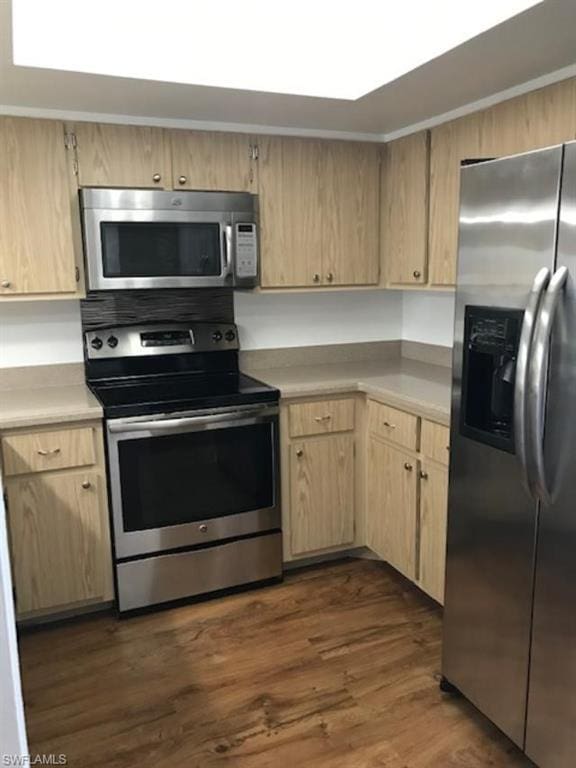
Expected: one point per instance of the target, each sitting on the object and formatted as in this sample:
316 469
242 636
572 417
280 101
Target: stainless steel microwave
135 239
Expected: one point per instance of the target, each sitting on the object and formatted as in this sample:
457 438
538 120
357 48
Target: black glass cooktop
165 394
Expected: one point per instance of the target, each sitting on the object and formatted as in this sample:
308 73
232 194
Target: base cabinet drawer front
321 493
41 451
321 417
59 543
435 441
391 523
398 426
433 526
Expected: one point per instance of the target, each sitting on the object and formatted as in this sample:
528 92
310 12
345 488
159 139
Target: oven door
157 249
179 481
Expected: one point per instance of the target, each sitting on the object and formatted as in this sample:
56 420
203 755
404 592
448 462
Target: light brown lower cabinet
433 525
392 499
57 537
321 493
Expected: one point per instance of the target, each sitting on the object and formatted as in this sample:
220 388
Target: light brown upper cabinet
122 156
450 143
350 202
290 211
39 219
404 210
207 160
318 212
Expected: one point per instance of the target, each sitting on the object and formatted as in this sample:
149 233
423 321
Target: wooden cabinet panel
350 199
321 493
321 417
36 209
391 522
433 526
121 156
60 550
41 451
435 441
449 145
404 210
398 426
207 160
290 212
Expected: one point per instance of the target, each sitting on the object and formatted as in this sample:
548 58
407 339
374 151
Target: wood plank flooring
335 668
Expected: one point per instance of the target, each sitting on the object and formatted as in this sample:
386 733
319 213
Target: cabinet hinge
254 151
77 272
70 140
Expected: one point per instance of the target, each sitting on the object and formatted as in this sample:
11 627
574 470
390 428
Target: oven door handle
190 423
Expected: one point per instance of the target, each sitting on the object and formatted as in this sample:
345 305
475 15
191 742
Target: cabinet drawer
42 451
394 425
435 441
321 417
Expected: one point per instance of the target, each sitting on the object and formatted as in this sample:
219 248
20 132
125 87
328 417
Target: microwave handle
227 250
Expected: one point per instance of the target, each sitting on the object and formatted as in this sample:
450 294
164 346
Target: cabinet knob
408 467
203 528
5 283
181 179
417 273
156 178
424 475
86 484
316 278
330 277
299 453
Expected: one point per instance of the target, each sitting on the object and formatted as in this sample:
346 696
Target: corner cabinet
40 241
59 535
319 204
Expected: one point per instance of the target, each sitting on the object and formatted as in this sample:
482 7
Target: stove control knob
112 341
217 336
230 335
96 343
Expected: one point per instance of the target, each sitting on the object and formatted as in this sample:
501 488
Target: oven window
143 249
183 478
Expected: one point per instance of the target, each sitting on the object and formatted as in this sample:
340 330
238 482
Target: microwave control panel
246 251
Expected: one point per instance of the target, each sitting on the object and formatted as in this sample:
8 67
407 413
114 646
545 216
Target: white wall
428 317
12 728
309 319
40 333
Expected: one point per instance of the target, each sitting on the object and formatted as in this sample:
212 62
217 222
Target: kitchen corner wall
41 333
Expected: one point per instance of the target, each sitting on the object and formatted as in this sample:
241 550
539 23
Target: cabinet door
391 506
404 210
350 201
449 145
36 208
206 160
60 552
433 522
321 493
290 212
121 156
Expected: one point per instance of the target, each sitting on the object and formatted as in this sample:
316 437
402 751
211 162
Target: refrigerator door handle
522 365
537 380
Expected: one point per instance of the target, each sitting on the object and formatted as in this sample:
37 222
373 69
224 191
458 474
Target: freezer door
551 727
508 218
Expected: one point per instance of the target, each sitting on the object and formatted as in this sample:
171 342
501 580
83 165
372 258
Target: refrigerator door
551 726
508 217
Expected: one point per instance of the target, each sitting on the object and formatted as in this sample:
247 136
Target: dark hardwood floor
335 668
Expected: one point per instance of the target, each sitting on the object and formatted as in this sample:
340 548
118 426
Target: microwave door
157 249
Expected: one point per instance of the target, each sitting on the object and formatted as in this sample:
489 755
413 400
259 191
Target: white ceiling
536 43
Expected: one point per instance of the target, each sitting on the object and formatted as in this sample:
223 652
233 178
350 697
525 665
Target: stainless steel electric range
192 450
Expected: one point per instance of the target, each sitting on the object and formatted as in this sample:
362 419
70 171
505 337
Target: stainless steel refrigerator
510 606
